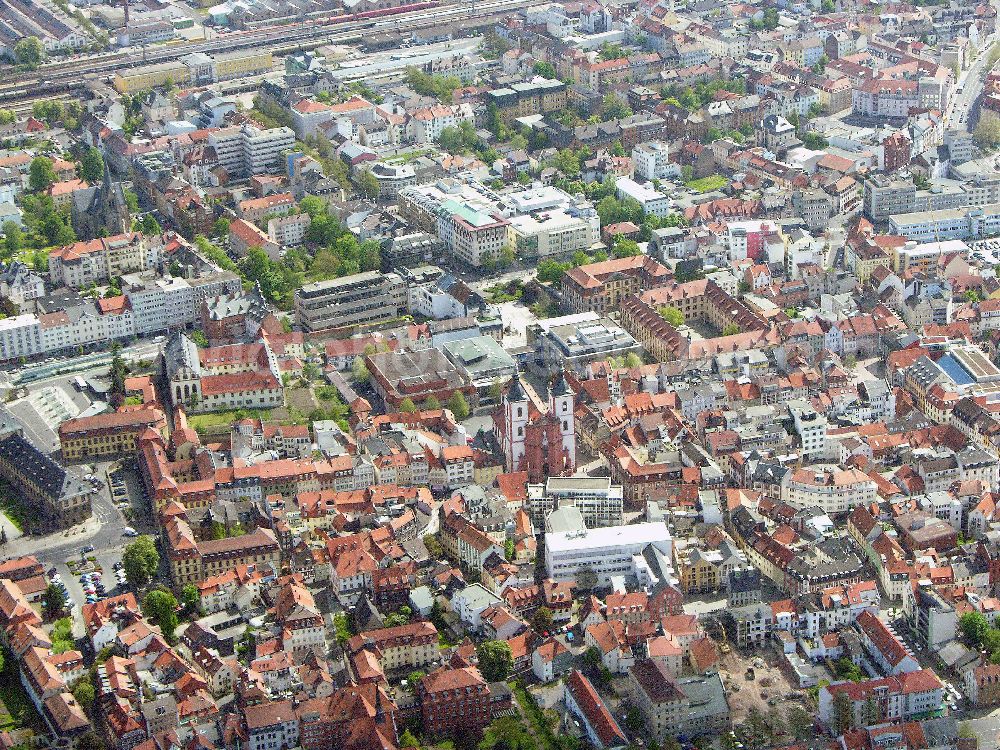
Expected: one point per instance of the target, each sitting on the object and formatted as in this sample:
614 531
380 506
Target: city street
986 728
961 110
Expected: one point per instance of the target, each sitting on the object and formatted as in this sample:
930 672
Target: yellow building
522 99
146 77
403 647
196 69
242 63
107 435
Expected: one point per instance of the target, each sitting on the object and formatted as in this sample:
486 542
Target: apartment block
357 300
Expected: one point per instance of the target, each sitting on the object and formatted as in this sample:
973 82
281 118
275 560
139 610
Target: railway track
62 78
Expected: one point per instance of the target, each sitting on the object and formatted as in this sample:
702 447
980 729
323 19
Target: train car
381 12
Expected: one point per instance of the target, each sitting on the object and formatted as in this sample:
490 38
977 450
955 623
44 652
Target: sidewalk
31 545
9 528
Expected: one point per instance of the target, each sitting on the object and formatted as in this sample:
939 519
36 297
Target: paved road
103 530
987 729
961 112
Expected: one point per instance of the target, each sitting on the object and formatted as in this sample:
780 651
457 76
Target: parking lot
85 579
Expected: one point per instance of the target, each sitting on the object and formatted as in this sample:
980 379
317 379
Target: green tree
509 549
731 329
495 390
541 621
160 607
41 173
800 723
62 636
368 184
190 598
199 338
406 406
441 87
567 161
53 602
614 108
432 404
360 370
586 578
814 141
148 225
29 52
140 561
551 271
214 254
544 69
633 719
672 315
13 239
434 549
450 139
221 226
843 713
625 248
633 360
848 670
90 741
84 692
341 628
496 661
974 627
458 405
92 166
507 733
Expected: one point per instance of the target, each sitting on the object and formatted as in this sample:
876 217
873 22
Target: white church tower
561 407
515 406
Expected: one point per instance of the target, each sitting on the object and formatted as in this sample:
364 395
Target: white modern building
425 124
811 427
608 551
248 149
651 162
652 200
20 336
159 303
470 603
599 502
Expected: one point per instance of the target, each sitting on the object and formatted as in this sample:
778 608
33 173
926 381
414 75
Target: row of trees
331 252
53 113
980 635
457 404
440 87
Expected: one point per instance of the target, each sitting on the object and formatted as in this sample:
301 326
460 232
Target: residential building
670 706
600 287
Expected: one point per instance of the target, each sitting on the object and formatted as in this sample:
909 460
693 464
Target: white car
129 531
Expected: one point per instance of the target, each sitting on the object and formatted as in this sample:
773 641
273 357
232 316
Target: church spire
516 391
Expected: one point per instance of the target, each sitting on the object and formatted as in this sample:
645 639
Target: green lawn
708 184
216 419
10 506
